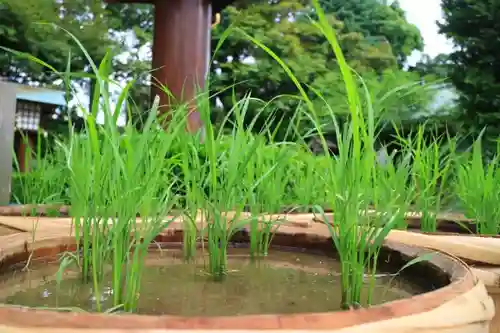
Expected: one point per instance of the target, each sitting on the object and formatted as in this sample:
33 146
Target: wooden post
25 151
181 50
7 123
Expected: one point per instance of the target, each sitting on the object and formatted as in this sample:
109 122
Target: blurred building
24 113
35 109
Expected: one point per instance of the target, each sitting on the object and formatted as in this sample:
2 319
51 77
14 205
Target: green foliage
375 37
34 27
372 46
46 182
379 23
478 191
438 67
117 174
473 27
22 29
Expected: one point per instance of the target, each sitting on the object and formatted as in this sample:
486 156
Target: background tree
22 29
285 27
377 21
438 66
35 27
473 27
376 39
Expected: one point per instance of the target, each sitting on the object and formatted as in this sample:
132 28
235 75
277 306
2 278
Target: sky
424 14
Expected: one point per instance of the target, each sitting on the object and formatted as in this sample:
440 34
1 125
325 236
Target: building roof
40 95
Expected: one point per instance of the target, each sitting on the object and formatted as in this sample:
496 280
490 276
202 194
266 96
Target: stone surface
7 116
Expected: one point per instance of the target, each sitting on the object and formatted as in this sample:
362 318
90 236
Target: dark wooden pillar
25 151
181 51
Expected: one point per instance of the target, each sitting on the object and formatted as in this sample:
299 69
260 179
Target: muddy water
286 282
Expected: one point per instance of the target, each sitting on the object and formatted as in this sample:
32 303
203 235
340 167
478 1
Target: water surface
285 282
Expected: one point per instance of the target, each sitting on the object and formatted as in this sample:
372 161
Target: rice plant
193 180
267 196
45 179
227 190
116 174
349 177
431 167
115 177
307 185
478 191
393 190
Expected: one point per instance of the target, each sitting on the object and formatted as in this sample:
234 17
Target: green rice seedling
114 175
392 193
452 158
431 167
356 239
346 205
228 161
267 196
349 176
478 191
306 184
224 177
43 182
262 235
129 176
277 157
350 183
218 237
194 176
392 190
189 234
357 236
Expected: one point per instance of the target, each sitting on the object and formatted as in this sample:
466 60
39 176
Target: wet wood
446 222
6 230
36 210
35 224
